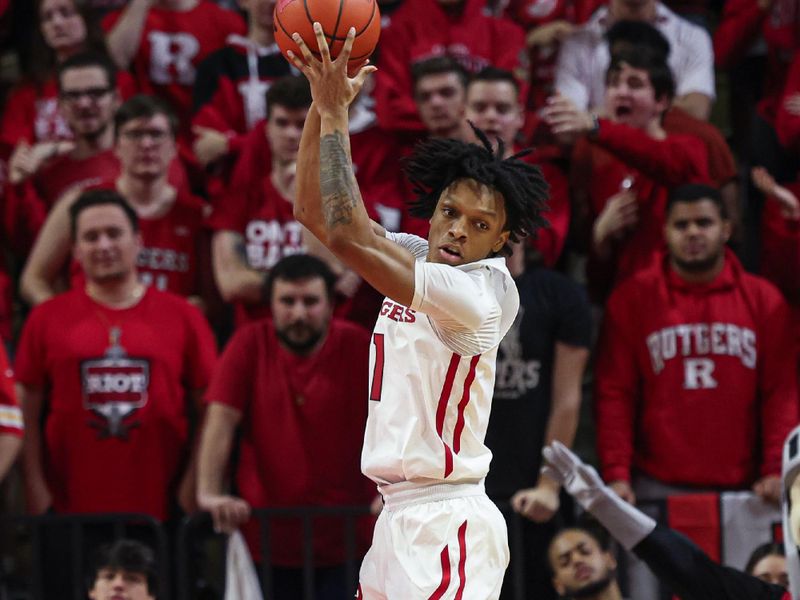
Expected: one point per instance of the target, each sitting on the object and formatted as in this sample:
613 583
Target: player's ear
500 242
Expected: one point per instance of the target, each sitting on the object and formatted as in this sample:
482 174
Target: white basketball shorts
440 542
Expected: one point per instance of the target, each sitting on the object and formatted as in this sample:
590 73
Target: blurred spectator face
120 585
301 312
88 101
284 128
146 146
62 25
696 235
772 569
440 101
106 246
631 99
580 567
259 11
493 107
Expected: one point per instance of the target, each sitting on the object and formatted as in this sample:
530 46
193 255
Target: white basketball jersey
432 371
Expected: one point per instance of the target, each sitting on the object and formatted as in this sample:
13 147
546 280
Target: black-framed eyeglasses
94 94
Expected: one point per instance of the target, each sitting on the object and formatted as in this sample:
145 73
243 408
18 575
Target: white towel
241 580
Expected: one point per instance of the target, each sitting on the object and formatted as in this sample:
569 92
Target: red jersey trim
442 410
462 546
462 405
445 582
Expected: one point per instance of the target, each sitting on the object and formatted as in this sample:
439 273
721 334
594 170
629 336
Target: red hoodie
654 166
420 29
696 384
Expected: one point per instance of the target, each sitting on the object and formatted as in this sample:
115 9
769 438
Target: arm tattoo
339 194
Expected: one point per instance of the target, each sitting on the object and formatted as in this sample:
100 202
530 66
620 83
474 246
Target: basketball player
449 302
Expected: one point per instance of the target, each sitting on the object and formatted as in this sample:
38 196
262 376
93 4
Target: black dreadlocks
438 163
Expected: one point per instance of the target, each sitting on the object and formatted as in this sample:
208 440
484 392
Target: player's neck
117 293
86 147
150 198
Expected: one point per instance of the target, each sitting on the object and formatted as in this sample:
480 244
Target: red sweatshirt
654 166
420 29
695 384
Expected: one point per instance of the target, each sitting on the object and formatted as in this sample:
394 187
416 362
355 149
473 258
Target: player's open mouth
449 254
622 111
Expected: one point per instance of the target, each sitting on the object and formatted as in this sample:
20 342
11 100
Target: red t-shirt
695 384
304 420
264 217
10 414
116 430
421 29
172 45
231 86
172 256
41 191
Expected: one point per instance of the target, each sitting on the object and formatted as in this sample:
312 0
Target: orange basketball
336 18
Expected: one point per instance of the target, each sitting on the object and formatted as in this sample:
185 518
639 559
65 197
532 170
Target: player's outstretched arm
308 202
345 227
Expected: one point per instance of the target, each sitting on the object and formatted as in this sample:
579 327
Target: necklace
115 350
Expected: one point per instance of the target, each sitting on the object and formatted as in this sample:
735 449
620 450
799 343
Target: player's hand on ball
227 512
539 504
331 85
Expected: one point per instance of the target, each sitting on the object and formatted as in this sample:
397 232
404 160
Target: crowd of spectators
148 151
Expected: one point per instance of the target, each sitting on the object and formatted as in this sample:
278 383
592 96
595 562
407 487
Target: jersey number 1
377 372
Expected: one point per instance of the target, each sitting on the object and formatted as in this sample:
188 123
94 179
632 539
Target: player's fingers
304 51
347 48
362 75
297 62
322 44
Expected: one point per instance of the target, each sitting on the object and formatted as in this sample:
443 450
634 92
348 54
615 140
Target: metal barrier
200 524
38 532
193 533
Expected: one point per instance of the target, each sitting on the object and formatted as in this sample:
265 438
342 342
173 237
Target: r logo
697 374
171 57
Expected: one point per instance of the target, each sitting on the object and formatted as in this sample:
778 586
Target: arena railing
196 553
37 545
